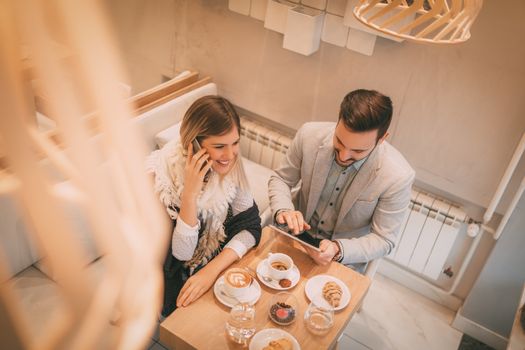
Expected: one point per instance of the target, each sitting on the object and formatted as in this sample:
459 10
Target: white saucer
262 270
254 293
263 337
314 290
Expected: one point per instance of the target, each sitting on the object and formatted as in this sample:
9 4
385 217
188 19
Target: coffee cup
279 266
237 282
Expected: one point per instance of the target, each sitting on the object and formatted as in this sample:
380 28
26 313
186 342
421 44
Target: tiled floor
393 317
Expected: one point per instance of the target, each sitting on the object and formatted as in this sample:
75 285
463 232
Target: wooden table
201 325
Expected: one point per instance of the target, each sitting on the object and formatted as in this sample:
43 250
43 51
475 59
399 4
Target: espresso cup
279 266
237 282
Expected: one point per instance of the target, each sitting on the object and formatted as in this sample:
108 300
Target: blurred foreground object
432 21
111 299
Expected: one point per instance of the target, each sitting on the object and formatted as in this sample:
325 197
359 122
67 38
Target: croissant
332 293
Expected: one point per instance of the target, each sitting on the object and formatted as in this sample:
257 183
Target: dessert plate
314 290
263 337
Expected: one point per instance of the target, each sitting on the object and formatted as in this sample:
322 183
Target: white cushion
258 177
169 113
166 135
77 220
41 299
16 229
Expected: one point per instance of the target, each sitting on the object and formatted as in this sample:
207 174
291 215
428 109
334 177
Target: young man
354 186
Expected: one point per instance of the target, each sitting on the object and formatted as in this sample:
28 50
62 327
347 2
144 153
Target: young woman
205 191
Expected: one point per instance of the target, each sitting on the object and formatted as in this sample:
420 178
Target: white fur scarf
168 166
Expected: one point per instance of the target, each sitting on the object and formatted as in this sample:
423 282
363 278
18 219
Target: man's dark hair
366 110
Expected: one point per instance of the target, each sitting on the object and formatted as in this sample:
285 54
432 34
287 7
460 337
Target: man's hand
294 219
328 250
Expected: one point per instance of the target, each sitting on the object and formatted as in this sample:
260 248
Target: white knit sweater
167 164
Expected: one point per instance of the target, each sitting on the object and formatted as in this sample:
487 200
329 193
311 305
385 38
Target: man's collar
357 164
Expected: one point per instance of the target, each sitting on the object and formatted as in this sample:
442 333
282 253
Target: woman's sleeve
241 243
243 240
184 240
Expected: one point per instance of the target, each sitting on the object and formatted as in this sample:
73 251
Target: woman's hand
196 286
199 283
197 165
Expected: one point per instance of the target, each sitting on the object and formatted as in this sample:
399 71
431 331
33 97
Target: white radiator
428 234
262 144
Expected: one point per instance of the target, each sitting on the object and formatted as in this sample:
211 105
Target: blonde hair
213 116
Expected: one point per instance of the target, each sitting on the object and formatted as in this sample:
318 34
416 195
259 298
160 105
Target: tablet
295 238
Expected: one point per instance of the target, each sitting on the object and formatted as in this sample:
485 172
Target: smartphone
196 148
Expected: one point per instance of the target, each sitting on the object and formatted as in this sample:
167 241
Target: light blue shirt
337 182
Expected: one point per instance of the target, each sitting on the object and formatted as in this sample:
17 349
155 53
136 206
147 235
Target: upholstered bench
28 272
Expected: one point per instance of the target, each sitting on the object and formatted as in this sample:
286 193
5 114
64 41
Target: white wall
146 32
459 110
494 298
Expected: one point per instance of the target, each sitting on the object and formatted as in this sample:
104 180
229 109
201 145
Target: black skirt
176 274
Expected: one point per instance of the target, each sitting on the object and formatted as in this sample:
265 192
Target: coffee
238 278
278 265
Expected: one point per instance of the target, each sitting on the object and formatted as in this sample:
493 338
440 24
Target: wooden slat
137 101
162 97
173 95
142 102
149 96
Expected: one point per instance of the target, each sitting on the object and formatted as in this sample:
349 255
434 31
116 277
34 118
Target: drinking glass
240 325
319 319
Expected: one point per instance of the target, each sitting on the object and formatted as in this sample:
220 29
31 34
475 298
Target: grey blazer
373 207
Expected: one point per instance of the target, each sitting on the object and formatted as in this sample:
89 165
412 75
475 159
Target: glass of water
240 325
319 319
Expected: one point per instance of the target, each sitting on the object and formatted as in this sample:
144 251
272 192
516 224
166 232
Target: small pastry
285 283
279 344
282 313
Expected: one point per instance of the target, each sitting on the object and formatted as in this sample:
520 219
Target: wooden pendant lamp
433 21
